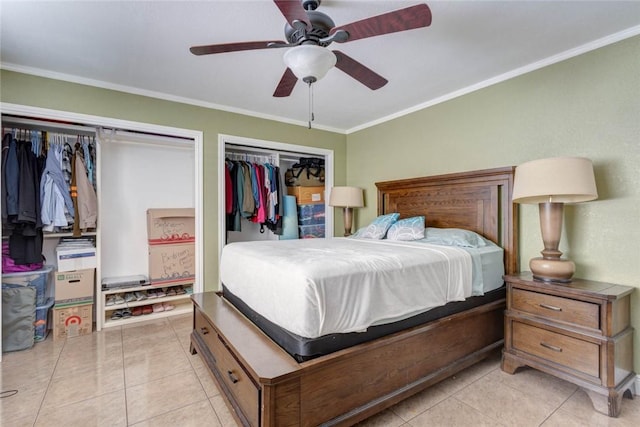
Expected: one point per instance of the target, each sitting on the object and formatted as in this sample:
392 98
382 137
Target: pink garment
8 266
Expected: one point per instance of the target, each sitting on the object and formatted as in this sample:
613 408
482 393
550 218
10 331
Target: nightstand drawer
570 352
567 310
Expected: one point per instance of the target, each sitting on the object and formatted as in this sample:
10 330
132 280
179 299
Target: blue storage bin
311 214
41 325
311 231
38 279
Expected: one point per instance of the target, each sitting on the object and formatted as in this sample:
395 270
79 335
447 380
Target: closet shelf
148 301
66 234
140 288
180 309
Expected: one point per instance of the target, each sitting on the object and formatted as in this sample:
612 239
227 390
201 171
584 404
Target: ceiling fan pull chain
311 117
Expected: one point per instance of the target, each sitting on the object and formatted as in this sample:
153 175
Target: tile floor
143 375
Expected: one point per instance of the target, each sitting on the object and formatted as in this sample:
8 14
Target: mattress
320 287
303 349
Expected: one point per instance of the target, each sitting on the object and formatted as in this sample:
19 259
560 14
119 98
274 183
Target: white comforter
315 287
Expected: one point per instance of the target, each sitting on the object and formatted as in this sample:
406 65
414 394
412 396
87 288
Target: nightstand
579 332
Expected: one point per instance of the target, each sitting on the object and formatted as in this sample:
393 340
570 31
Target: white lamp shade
309 61
559 179
346 197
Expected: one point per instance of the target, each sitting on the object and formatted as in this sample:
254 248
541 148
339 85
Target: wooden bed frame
265 386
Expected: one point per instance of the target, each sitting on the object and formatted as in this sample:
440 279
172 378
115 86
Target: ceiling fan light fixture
309 62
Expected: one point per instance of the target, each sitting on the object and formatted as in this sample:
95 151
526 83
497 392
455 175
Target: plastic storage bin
311 231
41 325
38 279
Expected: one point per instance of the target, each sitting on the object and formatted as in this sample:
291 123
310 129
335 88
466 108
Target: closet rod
34 124
119 135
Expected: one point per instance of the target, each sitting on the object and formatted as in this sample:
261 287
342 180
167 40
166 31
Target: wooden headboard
478 200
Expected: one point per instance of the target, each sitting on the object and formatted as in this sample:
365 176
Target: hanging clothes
253 192
23 225
56 198
87 201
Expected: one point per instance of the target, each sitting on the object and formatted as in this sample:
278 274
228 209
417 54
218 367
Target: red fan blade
392 22
359 72
231 47
293 11
287 82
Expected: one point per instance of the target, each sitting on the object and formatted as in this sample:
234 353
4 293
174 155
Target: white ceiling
143 47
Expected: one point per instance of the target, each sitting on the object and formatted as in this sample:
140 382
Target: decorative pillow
407 229
378 228
454 237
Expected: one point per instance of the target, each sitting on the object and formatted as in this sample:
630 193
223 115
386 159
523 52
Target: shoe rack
180 302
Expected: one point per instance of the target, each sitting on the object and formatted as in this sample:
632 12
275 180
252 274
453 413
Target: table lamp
551 183
347 198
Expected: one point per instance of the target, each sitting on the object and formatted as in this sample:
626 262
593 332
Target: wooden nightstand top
577 287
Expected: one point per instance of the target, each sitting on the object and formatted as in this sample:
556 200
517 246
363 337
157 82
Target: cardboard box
307 195
76 258
72 321
74 287
172 264
176 225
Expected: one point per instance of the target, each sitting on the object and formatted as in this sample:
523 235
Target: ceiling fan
309 32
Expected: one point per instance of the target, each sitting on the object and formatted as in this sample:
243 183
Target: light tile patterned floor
143 375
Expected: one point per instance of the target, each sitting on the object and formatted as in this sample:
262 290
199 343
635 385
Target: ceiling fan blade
231 47
287 82
359 72
400 20
293 11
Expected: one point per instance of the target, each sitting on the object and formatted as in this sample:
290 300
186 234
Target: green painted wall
586 106
34 91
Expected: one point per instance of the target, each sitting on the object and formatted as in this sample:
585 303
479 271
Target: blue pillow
378 228
407 229
454 237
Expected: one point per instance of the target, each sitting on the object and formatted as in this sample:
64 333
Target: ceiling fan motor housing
321 25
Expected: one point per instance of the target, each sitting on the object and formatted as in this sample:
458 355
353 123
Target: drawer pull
204 330
551 347
232 377
550 307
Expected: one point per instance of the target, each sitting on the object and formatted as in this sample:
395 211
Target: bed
264 383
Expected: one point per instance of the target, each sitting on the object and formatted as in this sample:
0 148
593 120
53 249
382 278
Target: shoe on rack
111 300
126 313
167 306
119 299
116 315
129 296
180 290
157 308
160 293
151 293
171 292
140 295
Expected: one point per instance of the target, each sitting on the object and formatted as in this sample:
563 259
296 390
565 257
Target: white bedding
315 287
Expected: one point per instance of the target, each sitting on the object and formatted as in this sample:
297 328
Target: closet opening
138 166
